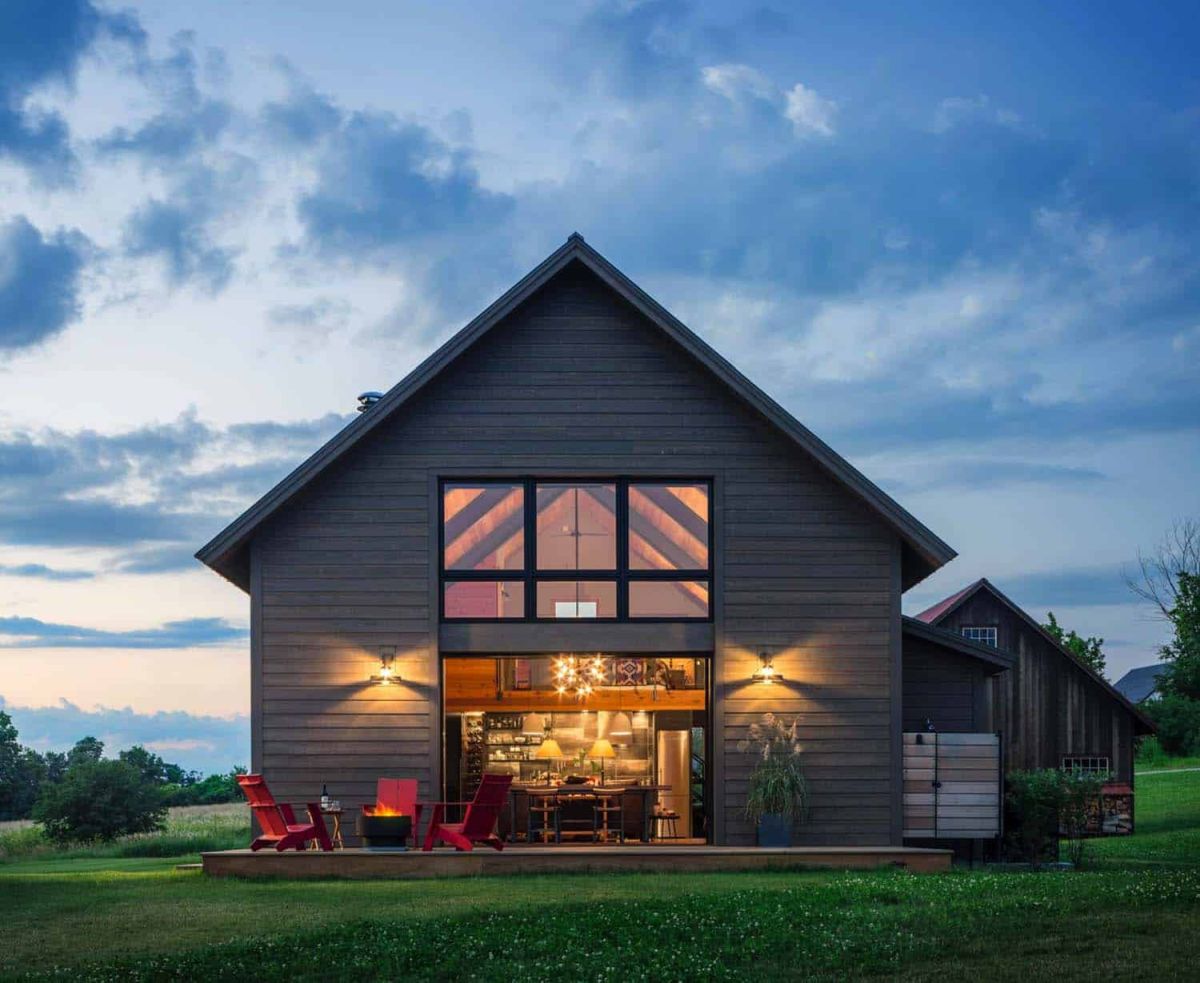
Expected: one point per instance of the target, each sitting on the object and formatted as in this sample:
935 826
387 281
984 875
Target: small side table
335 834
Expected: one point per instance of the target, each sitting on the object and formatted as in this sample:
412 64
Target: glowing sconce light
386 674
766 673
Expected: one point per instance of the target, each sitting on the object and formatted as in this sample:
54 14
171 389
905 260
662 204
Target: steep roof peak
923 551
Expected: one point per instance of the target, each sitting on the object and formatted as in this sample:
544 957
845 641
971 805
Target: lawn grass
1167 820
1132 915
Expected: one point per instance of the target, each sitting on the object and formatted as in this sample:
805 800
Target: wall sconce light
386 674
766 673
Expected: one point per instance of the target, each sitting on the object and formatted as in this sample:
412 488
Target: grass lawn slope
1132 915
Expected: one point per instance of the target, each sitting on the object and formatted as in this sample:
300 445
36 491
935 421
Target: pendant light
621 727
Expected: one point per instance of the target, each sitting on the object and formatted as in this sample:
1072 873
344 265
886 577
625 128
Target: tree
99 800
85 749
10 754
1087 650
56 765
22 773
1177 720
1182 653
152 767
1156 578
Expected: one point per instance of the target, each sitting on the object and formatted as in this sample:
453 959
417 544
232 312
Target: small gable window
987 635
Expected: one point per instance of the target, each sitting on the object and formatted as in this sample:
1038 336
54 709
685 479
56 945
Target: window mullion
530 549
622 550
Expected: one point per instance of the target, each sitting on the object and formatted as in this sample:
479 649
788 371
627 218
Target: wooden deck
364 864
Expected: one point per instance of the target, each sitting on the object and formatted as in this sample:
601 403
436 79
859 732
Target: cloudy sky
960 242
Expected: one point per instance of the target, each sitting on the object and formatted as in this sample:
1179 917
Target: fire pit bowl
385 832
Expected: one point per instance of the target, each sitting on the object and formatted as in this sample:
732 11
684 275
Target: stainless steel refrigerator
673 766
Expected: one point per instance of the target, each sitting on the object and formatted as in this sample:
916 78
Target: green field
1132 914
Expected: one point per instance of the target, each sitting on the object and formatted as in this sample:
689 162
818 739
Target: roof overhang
923 552
993 660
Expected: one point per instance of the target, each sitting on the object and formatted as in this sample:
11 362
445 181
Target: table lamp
548 750
601 751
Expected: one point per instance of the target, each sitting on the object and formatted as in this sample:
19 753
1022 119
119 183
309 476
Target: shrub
1150 753
22 842
1045 805
1031 816
777 784
98 801
1178 721
1078 805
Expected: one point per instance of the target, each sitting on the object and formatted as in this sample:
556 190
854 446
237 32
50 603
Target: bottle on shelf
324 796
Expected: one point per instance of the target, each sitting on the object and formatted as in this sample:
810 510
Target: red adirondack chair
278 822
397 797
479 823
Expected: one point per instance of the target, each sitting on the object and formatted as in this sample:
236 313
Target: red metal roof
931 615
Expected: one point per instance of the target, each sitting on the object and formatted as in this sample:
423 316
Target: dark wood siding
948 689
576 382
1046 706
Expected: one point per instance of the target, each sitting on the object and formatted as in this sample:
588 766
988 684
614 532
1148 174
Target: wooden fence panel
952 786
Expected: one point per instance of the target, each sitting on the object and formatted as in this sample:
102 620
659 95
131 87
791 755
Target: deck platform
482 862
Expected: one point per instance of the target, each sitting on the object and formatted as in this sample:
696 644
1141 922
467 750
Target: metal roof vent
367 400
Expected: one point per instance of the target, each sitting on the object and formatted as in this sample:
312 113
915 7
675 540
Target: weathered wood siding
1046 706
575 382
951 691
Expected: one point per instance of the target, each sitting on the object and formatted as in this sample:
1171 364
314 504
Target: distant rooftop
1139 684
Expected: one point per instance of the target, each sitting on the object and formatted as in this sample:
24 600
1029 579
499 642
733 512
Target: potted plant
777 797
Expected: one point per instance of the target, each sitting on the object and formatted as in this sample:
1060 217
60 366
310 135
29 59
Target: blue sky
960 242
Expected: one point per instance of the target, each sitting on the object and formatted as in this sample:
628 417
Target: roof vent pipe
367 400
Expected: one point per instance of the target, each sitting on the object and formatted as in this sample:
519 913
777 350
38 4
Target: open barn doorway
601 748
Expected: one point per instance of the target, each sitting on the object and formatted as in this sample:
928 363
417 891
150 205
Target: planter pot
385 832
774 830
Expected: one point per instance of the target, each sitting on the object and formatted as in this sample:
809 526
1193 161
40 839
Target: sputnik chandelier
578 676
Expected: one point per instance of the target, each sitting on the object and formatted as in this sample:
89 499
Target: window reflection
576 599
485 599
668 526
576 527
484 527
668 599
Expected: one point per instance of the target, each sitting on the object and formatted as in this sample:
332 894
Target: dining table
582 792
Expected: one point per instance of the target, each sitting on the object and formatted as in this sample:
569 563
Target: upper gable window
987 635
668 526
603 549
483 526
576 526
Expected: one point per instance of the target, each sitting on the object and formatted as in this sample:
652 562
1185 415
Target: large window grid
511 568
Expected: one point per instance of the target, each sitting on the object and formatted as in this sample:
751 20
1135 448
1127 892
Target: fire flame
382 810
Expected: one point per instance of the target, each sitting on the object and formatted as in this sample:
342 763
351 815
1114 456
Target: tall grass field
189 829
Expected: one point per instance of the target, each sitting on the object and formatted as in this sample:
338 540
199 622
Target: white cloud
735 82
809 112
956 109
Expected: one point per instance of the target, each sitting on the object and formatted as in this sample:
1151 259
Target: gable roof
1139 684
995 660
923 552
942 609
